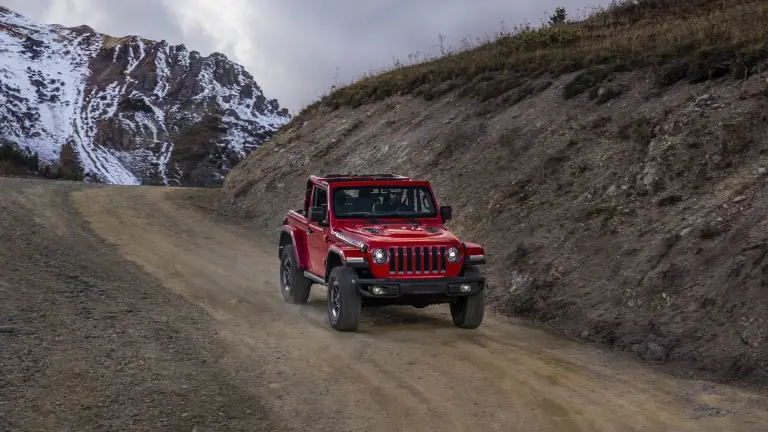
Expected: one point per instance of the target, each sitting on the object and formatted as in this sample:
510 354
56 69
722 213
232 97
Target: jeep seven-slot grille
417 260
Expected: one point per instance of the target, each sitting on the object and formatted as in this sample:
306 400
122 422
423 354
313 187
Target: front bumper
395 288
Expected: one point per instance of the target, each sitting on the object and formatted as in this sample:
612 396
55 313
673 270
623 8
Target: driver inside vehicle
393 203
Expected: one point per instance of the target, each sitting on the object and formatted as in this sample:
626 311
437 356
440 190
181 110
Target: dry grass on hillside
682 40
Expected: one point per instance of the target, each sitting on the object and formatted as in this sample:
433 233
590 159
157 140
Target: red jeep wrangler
378 240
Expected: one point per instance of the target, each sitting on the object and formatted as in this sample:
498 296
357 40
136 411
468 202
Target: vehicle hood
396 232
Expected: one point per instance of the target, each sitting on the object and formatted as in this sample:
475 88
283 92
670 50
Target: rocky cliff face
130 110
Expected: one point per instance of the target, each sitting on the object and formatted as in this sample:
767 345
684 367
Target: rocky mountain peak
134 111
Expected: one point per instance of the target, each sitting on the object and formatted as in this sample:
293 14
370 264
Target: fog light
377 290
465 288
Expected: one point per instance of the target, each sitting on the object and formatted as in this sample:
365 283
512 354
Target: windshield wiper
411 218
365 215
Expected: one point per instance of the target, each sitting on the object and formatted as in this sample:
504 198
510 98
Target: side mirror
317 214
446 212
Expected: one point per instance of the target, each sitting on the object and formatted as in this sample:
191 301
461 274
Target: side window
320 198
424 203
308 196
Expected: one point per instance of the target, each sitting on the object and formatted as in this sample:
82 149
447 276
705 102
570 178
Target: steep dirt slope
634 219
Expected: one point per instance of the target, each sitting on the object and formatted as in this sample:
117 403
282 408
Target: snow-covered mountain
127 110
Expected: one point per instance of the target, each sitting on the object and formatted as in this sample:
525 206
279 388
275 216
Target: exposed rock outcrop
134 111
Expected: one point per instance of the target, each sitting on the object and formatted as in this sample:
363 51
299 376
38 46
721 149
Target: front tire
468 312
344 303
293 284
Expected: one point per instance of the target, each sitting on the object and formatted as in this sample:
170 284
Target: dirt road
133 309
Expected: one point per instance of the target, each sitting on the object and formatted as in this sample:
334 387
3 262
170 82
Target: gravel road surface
132 308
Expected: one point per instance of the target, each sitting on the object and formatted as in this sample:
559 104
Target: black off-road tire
468 312
344 303
296 288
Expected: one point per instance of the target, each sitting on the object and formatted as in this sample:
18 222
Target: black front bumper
395 288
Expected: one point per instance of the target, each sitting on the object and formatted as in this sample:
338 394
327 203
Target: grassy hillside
620 191
691 41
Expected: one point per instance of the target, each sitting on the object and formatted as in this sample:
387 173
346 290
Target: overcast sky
294 47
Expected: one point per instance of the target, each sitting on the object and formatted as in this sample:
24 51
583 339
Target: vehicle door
316 232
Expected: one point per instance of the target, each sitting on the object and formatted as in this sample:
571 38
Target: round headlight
379 256
452 254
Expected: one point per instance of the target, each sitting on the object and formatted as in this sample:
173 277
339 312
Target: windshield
383 202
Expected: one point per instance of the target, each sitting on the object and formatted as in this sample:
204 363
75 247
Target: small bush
13 156
15 161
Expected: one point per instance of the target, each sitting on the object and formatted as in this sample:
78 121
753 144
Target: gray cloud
294 47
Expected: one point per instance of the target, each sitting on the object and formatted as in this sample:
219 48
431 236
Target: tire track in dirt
96 343
406 369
